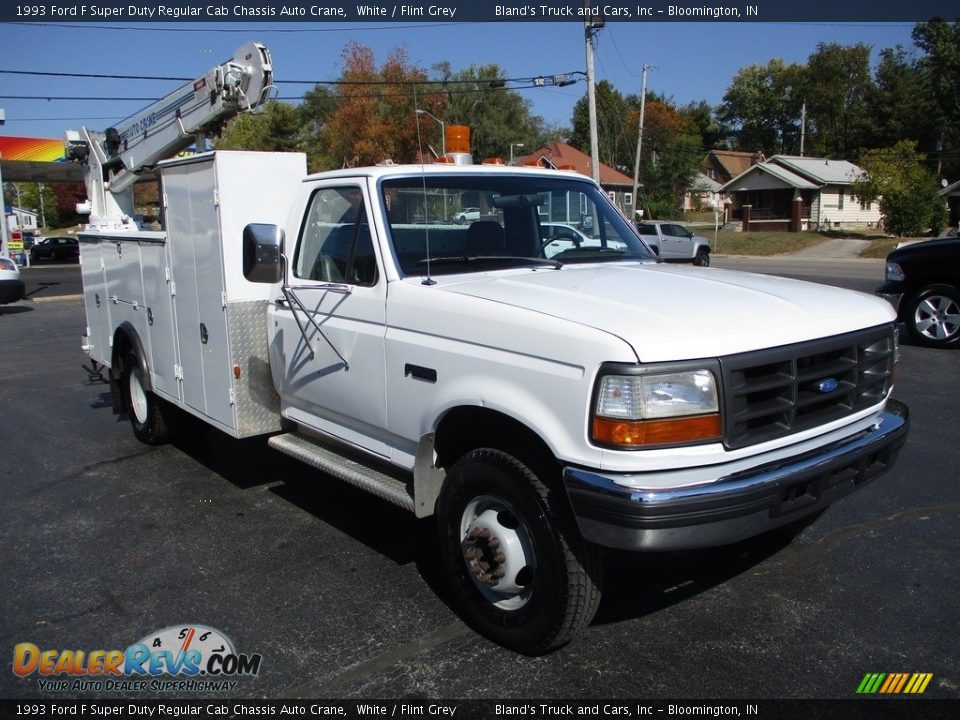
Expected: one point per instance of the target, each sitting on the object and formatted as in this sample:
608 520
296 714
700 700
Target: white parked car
11 286
563 238
470 213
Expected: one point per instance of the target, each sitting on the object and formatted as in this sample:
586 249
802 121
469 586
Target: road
104 541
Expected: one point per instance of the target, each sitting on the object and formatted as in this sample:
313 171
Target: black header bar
257 11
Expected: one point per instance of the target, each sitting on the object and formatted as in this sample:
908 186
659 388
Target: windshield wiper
505 260
593 253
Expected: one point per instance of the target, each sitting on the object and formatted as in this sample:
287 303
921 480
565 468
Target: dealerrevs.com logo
185 657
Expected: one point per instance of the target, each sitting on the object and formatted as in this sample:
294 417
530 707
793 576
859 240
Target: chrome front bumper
735 506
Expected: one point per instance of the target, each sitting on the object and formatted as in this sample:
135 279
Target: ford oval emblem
828 385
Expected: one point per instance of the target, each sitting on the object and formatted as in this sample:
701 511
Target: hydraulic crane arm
114 158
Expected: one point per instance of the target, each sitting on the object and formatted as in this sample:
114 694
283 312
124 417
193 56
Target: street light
443 129
512 146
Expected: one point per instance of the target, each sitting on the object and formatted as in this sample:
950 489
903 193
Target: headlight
656 409
895 272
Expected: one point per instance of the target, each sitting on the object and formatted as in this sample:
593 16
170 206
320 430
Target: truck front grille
772 393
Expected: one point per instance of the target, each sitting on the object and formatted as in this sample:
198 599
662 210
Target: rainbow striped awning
32 149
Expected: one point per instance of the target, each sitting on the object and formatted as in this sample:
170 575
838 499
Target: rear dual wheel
149 415
522 574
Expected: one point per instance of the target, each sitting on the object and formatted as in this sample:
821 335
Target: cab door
677 242
328 330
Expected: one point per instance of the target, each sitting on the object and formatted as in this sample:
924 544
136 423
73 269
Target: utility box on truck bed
182 293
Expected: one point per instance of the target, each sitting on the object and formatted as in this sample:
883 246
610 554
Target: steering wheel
562 235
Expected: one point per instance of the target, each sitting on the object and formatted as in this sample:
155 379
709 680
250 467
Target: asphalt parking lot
104 541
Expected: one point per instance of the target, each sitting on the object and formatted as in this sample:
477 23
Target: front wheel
148 413
702 258
933 316
522 574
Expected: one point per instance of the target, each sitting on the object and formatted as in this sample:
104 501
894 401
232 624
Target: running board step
324 458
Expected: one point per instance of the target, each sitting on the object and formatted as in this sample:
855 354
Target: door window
336 245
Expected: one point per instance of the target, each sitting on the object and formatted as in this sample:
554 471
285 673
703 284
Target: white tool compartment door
193 236
95 300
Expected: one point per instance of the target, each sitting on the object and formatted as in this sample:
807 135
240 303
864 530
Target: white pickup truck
541 408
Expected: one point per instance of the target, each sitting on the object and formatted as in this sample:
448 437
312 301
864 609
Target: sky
690 61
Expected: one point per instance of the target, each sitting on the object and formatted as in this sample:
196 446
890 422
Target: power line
75 98
556 79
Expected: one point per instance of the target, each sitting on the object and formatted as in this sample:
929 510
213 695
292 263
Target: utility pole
803 126
636 162
4 249
590 28
43 212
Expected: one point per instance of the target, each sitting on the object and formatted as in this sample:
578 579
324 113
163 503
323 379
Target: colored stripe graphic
35 149
894 683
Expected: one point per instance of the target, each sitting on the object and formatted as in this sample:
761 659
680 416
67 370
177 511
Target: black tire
549 587
702 258
149 415
932 316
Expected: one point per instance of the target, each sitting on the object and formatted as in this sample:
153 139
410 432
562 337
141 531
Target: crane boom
117 156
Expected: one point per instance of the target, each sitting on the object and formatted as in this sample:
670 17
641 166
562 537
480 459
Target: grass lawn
764 244
880 248
761 243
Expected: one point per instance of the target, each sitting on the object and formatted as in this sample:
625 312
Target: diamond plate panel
257 405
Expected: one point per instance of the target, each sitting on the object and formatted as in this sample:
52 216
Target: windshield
474 223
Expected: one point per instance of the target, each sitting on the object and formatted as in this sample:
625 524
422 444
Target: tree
40 198
616 132
497 117
275 128
705 122
672 145
763 105
906 191
940 42
672 153
900 105
66 198
837 87
374 118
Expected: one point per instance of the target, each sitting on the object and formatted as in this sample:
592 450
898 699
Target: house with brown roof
718 167
724 165
789 192
559 155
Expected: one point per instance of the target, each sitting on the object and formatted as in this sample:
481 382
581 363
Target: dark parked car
62 249
923 284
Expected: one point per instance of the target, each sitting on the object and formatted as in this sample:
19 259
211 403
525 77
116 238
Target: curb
55 298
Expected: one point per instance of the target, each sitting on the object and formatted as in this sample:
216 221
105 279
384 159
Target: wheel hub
938 318
498 554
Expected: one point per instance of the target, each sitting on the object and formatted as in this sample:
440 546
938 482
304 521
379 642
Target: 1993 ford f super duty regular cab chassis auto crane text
542 405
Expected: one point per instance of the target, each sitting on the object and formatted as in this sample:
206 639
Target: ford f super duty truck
542 396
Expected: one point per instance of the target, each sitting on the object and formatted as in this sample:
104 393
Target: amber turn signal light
640 433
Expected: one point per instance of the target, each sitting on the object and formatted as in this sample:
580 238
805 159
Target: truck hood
669 312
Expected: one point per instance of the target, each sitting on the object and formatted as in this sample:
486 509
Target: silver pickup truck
674 243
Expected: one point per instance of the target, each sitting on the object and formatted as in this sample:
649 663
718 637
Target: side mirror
262 251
